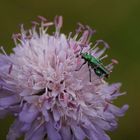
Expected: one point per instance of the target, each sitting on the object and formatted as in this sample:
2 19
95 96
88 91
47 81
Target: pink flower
45 84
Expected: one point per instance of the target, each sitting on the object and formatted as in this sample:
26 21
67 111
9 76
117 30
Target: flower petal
28 113
78 132
52 133
66 133
9 100
14 131
45 114
37 132
118 111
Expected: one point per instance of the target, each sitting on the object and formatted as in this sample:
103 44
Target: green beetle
95 64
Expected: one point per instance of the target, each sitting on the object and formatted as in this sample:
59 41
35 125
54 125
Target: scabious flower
45 85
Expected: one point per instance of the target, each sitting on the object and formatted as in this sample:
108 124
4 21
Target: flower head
52 91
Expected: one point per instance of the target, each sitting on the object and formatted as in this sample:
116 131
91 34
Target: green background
116 21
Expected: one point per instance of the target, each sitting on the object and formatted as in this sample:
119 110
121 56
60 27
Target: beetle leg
89 73
81 66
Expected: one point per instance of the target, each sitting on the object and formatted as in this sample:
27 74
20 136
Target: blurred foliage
116 21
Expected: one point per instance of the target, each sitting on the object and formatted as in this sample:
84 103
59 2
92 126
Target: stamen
91 32
84 37
41 29
43 19
34 23
87 34
28 37
110 66
80 28
16 36
101 42
22 29
114 61
105 56
58 21
4 52
69 36
48 24
2 49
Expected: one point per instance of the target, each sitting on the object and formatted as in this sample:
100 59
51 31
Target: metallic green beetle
95 64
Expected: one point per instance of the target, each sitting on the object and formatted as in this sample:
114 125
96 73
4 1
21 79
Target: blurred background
116 21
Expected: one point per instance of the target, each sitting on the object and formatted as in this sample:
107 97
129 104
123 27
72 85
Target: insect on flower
93 63
45 85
